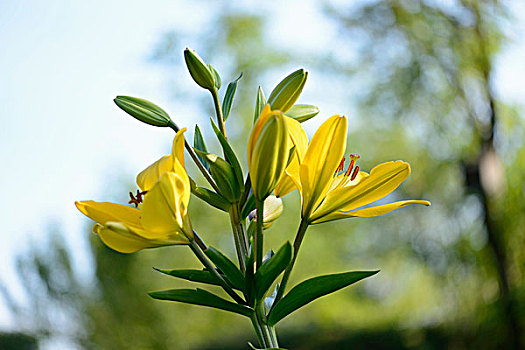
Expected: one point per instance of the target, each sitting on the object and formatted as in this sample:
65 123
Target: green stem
218 111
259 234
258 330
301 231
199 241
240 226
204 260
196 159
237 239
267 331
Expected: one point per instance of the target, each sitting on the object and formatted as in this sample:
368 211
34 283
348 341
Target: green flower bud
200 71
302 113
267 152
143 110
287 91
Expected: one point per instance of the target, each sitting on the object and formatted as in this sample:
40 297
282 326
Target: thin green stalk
204 260
301 231
259 234
218 111
258 331
196 160
266 330
240 226
237 239
199 241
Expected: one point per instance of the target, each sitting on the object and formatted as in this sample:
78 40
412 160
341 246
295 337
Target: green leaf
201 297
198 143
228 97
260 101
309 290
271 269
231 272
145 111
224 176
302 113
230 154
288 91
201 276
216 77
248 206
210 197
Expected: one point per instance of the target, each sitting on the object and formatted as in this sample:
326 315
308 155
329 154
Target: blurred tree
429 67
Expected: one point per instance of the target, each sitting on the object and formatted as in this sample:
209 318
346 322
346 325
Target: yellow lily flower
296 138
328 196
267 152
161 220
149 176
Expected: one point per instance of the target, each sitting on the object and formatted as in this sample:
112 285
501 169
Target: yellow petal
289 179
119 238
383 179
103 212
165 206
297 137
149 176
322 157
369 212
178 146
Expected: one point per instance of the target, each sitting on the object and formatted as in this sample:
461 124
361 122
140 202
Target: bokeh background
436 83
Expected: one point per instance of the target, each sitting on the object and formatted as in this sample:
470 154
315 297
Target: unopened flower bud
267 152
143 110
200 71
287 91
273 208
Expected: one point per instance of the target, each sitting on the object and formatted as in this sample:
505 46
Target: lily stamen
354 174
341 166
136 200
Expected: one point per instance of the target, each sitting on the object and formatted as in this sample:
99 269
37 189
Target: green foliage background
420 87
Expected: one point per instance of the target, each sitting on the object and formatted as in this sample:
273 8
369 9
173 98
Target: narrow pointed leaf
311 289
248 206
260 101
271 269
231 272
302 113
212 198
201 297
228 97
230 154
201 276
223 174
198 143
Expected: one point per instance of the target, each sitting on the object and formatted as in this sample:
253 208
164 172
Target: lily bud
273 208
285 94
200 71
267 152
143 110
302 113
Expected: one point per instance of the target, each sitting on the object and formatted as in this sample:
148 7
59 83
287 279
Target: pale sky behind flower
61 136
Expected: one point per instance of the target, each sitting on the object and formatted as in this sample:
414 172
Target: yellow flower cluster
280 159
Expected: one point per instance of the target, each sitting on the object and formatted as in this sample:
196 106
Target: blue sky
61 137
